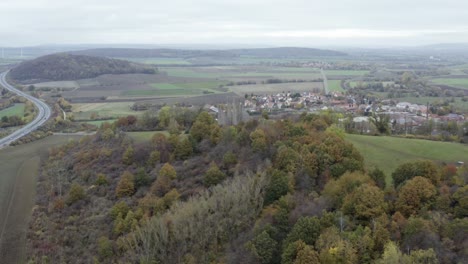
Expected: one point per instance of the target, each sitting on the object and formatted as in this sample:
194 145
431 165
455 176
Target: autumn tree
75 194
416 194
154 158
202 126
299 252
164 180
366 202
259 140
126 185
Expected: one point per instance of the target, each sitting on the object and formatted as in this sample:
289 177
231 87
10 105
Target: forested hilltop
264 191
64 66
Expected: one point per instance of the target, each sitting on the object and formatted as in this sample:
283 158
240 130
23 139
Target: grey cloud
277 22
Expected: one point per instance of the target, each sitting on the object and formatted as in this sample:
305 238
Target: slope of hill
285 52
63 66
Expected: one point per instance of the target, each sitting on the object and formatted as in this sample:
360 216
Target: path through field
18 171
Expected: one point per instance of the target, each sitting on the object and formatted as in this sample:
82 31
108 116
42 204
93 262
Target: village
404 117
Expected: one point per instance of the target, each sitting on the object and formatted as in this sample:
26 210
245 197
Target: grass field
178 89
15 110
387 153
19 166
84 111
456 82
335 86
276 88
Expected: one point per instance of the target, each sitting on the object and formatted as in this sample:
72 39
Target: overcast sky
259 22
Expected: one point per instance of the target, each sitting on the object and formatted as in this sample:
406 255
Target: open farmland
15 110
241 90
108 110
19 168
455 82
238 73
68 85
387 153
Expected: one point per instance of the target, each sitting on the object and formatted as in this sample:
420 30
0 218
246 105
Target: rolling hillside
63 66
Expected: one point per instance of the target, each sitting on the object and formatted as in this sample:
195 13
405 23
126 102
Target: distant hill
285 52
64 66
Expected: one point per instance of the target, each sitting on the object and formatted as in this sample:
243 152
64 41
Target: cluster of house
282 101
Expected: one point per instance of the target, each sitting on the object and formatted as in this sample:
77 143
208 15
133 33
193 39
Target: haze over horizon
257 22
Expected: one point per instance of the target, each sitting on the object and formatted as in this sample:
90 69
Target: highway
42 116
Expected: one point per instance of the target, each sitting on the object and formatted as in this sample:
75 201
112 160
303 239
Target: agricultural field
346 73
237 73
20 166
335 86
387 153
67 85
108 110
241 90
15 110
455 82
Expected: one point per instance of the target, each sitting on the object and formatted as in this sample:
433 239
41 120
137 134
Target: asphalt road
41 118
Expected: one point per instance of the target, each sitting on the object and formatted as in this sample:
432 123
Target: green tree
423 168
381 123
141 178
105 250
278 186
101 179
127 157
391 255
379 177
306 229
263 247
202 126
183 149
460 198
213 175
164 116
